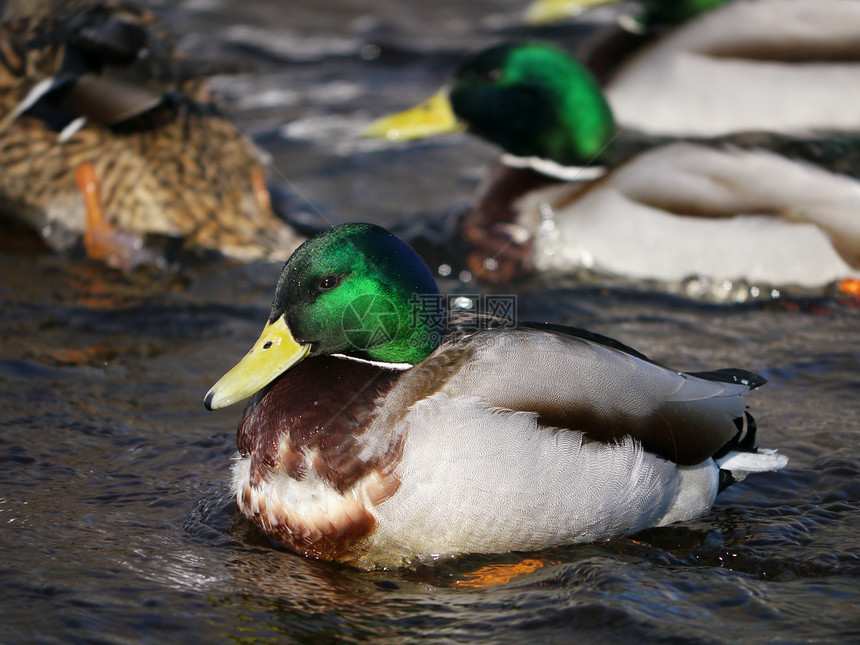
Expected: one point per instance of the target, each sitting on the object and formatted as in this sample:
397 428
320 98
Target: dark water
115 525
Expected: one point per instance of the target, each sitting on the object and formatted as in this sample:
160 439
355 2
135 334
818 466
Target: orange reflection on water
497 574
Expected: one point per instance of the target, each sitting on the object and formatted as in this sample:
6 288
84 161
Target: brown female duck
109 137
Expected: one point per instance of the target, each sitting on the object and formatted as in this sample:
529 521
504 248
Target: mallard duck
788 66
107 135
572 191
379 437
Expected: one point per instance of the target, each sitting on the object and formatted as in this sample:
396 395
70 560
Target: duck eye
482 75
329 282
488 75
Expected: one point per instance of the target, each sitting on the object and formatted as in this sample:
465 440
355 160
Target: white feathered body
788 66
690 210
478 469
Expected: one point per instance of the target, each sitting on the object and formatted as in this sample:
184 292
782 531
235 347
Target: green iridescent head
356 290
534 100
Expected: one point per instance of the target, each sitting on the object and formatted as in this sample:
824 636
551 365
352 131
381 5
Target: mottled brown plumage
166 162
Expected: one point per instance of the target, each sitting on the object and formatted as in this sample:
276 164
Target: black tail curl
743 441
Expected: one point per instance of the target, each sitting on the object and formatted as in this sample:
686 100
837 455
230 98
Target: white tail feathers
741 464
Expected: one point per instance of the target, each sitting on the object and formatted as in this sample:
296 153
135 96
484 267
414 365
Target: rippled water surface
115 523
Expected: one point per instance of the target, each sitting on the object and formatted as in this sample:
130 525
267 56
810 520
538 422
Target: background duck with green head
575 191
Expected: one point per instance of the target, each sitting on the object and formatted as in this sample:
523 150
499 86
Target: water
115 522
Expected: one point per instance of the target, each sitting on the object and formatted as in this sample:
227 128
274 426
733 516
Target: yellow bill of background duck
431 117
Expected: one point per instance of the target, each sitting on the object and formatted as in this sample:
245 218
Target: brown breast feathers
310 423
321 406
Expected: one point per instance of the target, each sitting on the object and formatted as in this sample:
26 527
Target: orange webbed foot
101 240
261 192
850 287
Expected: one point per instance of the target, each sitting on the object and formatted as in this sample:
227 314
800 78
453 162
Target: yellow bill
274 353
433 116
546 12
